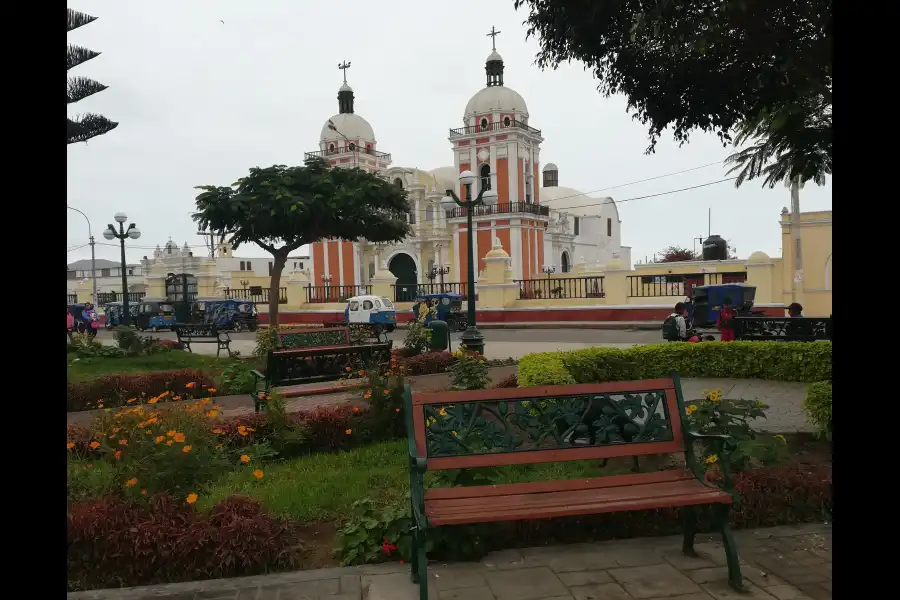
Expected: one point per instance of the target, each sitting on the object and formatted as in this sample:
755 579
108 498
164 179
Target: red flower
387 547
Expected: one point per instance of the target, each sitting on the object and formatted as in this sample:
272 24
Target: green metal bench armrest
725 445
257 374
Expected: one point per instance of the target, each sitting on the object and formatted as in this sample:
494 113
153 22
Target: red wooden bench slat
500 459
536 487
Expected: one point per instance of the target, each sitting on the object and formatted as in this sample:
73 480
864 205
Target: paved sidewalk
781 563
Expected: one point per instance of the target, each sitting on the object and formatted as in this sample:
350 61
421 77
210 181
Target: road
500 343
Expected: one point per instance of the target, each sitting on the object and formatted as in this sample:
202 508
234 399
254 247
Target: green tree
758 70
83 127
281 208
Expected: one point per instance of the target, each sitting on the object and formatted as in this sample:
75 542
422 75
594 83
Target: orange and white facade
537 226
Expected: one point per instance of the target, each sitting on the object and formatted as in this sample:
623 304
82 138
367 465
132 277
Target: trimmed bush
510 381
115 543
817 405
428 363
782 361
116 390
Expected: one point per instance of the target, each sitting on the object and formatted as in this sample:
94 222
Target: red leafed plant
510 381
427 363
112 543
116 390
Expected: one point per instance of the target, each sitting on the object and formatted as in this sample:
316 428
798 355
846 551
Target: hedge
781 361
116 390
817 405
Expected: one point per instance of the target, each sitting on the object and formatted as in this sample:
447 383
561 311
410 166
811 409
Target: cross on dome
343 67
493 35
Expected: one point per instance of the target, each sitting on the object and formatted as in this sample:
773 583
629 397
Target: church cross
343 67
493 35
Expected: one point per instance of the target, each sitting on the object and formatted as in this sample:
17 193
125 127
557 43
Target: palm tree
83 127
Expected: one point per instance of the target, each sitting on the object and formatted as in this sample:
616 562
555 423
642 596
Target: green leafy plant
716 415
86 347
372 535
469 372
782 361
236 378
418 337
817 405
285 436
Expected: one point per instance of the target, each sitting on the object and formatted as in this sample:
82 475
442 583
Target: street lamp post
549 270
91 240
133 233
326 280
471 337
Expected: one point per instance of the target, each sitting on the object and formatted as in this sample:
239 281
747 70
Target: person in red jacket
725 322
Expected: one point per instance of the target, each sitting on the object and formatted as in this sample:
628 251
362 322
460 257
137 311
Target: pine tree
82 127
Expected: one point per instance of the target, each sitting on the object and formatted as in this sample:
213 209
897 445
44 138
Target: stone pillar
496 287
381 284
296 286
615 283
761 273
84 291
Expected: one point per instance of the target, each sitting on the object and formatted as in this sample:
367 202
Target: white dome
351 125
567 199
494 56
446 178
496 98
550 167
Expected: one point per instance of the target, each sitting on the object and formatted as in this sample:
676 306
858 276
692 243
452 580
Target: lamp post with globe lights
471 337
133 233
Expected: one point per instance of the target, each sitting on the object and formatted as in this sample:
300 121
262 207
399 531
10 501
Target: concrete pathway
780 563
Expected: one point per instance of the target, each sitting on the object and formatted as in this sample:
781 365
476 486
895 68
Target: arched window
368 148
352 146
429 213
398 182
485 177
564 262
331 148
484 124
506 121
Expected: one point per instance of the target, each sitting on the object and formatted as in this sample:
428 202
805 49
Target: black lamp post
133 233
471 337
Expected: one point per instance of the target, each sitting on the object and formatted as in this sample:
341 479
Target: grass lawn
324 486
90 368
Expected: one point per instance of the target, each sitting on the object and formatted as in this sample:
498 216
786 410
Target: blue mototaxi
377 312
707 300
448 309
113 313
232 314
155 314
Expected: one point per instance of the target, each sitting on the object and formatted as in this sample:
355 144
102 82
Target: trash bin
440 335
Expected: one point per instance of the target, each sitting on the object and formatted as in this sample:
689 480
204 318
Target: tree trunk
274 286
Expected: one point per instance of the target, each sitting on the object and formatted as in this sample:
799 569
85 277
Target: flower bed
116 390
783 361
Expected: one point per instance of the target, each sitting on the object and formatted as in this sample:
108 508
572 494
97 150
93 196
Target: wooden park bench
500 427
783 329
203 334
312 355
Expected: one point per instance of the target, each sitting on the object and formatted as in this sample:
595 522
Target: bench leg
735 579
421 561
689 527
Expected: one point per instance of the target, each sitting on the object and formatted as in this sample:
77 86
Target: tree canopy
281 208
676 254
89 125
750 71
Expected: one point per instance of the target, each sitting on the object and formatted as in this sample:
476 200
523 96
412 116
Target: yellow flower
191 498
429 421
131 482
781 438
443 412
454 433
187 449
70 445
212 413
95 444
712 459
245 458
690 409
715 395
258 474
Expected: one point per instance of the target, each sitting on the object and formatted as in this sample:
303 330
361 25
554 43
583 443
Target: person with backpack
725 320
674 328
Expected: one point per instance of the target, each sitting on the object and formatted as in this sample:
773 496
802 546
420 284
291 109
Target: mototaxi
448 308
706 301
155 314
376 311
232 314
113 313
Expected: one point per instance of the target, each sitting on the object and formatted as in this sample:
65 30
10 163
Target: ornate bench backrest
498 427
313 338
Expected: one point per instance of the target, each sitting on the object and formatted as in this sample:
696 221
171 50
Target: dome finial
494 65
345 94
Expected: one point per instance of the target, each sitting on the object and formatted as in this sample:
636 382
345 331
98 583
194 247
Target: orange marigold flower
212 413
115 430
387 392
144 492
348 431
170 442
262 396
258 474
179 437
152 400
191 385
218 446
361 372
99 405
242 430
368 394
245 458
356 409
70 445
171 432
123 442
187 449
117 454
348 369
159 439
176 398
218 431
130 400
211 390
131 482
191 498
95 444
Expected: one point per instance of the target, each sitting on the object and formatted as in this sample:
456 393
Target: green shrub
817 405
782 361
469 372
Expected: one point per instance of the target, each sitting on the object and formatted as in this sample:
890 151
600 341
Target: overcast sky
200 101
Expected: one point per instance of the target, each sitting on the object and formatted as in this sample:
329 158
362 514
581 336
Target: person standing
674 328
725 320
90 318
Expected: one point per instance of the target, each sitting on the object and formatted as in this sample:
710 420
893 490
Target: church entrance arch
403 267
564 262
